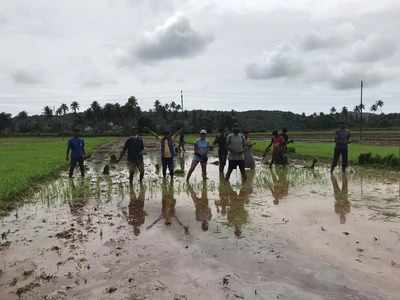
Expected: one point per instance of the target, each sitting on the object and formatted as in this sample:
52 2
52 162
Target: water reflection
136 213
342 203
279 186
79 198
237 213
202 210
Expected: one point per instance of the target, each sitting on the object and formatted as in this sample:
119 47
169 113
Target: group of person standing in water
234 148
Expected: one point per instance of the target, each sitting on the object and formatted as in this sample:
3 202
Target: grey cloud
328 38
373 48
25 77
281 63
349 77
176 38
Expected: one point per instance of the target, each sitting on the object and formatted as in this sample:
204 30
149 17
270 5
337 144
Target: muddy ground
285 234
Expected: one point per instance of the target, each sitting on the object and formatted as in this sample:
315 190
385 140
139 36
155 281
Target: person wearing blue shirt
76 154
201 148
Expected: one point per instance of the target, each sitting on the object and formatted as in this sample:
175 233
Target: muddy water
284 234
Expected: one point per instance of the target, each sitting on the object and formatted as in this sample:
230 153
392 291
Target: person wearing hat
201 148
135 147
342 140
76 146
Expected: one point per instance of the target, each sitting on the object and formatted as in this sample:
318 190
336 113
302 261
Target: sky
300 56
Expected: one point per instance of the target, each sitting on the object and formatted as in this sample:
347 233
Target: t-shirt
342 138
77 148
278 140
285 137
220 140
135 147
167 151
202 147
236 144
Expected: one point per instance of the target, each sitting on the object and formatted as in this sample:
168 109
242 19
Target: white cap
203 131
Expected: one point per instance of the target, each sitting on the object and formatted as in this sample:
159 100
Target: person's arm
153 133
141 145
123 151
268 147
173 136
68 150
349 141
83 148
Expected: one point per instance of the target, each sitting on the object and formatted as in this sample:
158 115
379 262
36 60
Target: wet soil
289 233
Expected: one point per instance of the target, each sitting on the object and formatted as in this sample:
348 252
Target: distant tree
379 105
47 112
157 106
58 112
63 108
22 115
95 106
332 110
75 107
5 121
373 108
345 113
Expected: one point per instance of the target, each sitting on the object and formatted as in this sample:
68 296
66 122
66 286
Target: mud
284 234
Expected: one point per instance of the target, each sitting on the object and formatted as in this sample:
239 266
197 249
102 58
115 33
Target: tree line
117 119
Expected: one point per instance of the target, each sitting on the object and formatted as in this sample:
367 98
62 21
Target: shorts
233 164
201 159
135 165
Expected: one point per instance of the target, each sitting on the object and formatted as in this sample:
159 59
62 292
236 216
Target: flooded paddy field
286 233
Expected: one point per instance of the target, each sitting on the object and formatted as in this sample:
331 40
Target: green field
26 161
323 150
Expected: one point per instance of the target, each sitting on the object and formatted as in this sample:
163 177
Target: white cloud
176 38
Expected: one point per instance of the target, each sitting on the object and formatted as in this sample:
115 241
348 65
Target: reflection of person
237 213
76 146
280 184
220 140
342 203
201 148
203 211
236 145
137 214
277 144
248 155
223 202
135 147
342 139
168 202
78 200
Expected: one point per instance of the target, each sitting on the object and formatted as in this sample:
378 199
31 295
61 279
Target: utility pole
361 111
182 99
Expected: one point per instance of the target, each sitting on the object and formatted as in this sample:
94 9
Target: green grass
26 161
323 150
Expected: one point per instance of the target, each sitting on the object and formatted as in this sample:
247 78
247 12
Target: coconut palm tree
75 106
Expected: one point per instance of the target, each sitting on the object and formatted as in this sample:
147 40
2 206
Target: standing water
286 233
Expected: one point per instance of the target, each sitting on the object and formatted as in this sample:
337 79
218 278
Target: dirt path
294 234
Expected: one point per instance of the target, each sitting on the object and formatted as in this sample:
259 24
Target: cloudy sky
300 55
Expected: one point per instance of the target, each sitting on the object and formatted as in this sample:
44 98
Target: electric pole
361 111
182 99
